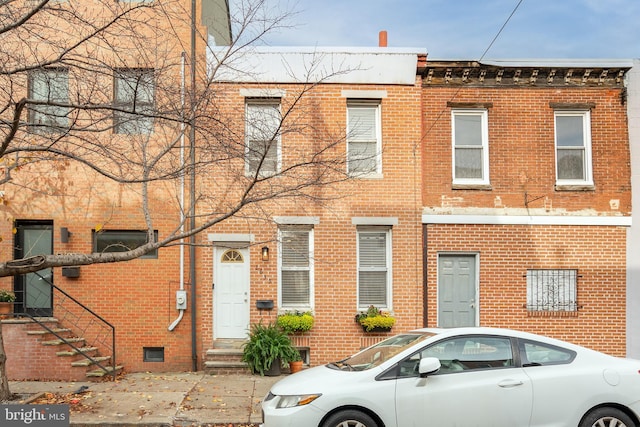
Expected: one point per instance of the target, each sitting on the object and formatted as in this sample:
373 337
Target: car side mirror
428 366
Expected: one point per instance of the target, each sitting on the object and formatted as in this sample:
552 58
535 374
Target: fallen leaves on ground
75 401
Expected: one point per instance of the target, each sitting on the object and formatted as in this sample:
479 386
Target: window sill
479 187
532 313
575 187
366 176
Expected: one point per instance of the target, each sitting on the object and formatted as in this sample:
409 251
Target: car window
463 354
535 353
373 356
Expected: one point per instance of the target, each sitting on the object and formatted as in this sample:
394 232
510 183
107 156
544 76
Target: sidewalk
158 399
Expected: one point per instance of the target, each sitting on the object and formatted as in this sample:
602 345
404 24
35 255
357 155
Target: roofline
339 49
545 62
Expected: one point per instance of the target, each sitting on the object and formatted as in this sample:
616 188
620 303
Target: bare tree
112 95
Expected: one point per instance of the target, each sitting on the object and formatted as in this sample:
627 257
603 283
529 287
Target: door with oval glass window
231 292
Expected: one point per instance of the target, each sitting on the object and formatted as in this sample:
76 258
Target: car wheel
607 417
350 418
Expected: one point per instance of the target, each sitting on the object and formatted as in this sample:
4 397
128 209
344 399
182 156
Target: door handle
510 383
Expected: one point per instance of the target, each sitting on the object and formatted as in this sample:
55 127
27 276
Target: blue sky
464 29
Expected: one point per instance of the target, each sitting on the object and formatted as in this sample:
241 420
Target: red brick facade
523 220
393 195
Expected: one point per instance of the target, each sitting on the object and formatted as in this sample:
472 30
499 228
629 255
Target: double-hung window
470 147
364 138
134 101
374 267
573 148
296 266
49 92
262 150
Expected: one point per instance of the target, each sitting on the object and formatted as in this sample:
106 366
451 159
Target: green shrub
295 321
267 344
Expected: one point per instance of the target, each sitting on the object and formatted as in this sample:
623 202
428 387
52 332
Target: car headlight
296 400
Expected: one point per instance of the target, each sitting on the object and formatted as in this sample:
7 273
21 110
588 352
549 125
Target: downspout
182 129
192 203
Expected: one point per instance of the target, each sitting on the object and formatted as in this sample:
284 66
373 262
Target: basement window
153 354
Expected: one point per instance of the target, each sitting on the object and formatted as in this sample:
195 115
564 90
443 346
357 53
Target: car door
558 386
478 385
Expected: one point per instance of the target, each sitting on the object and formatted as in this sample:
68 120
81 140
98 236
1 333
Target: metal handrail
65 316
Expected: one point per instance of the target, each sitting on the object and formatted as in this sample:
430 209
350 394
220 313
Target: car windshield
373 356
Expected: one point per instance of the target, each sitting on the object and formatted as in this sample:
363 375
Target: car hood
320 379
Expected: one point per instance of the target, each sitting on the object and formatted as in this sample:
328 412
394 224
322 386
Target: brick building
333 249
448 193
527 200
79 90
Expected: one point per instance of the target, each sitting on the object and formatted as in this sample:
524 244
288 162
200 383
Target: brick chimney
382 39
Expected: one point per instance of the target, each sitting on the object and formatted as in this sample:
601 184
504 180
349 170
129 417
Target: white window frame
376 106
141 84
387 305
44 85
282 230
273 135
587 179
552 290
483 147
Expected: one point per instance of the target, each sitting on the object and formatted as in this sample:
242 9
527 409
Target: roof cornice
525 73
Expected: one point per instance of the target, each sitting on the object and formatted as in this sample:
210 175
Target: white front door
230 292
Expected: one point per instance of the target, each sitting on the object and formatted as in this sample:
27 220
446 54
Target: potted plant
292 322
268 347
375 320
296 364
6 302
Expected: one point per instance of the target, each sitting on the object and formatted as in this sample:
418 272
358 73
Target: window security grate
552 290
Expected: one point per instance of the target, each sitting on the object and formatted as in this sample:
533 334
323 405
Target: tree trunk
5 393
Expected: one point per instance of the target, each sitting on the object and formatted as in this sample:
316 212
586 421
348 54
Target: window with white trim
374 267
573 148
364 138
470 137
552 290
262 150
50 87
296 266
134 98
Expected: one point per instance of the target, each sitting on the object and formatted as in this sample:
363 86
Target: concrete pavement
156 399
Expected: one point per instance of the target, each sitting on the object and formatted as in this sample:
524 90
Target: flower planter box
376 329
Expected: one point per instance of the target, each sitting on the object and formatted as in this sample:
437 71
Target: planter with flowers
7 299
375 320
292 322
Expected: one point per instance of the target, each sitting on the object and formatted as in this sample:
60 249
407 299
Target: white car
464 377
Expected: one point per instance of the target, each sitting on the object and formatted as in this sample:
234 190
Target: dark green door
33 290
